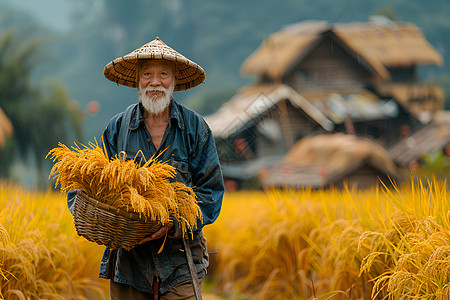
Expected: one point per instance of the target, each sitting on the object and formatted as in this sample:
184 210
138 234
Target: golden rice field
349 244
41 256
278 244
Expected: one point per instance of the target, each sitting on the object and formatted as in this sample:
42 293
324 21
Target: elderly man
159 126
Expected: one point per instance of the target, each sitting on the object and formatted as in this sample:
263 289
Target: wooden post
286 124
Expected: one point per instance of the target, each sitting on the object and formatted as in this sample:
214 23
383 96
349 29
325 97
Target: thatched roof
336 151
407 95
254 100
379 45
281 49
393 44
318 160
403 92
6 128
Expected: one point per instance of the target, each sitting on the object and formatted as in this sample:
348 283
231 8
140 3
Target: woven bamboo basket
109 226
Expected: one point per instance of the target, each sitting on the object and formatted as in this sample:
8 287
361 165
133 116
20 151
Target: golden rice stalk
422 270
160 169
438 264
4 236
162 199
145 189
43 258
154 210
188 209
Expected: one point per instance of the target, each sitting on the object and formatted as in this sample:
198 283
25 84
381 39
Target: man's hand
158 234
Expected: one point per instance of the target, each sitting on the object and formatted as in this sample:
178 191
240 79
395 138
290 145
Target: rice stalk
379 243
41 259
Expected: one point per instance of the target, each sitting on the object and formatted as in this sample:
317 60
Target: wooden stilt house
315 77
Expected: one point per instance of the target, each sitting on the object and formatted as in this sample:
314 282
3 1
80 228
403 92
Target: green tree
40 112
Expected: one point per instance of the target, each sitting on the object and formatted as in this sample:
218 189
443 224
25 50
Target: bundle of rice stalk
146 190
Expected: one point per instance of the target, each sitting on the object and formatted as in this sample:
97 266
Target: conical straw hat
123 70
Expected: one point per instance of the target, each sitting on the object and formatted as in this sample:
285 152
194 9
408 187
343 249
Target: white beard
156 105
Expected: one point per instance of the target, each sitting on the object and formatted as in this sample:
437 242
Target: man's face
156 84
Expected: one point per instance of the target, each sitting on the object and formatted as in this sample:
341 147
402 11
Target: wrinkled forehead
149 63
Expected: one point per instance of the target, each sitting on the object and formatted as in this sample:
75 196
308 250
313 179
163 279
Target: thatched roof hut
313 78
253 101
331 159
376 46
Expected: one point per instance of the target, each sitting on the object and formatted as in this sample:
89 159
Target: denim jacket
188 145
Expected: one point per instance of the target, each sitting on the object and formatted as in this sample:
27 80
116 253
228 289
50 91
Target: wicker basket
109 226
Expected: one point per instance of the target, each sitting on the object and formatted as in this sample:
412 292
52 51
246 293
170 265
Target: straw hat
123 70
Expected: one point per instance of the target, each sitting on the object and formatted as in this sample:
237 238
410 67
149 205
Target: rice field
274 244
41 256
333 244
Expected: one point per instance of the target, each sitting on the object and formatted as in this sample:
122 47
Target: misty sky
55 14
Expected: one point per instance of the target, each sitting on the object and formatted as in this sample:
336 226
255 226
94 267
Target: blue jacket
188 145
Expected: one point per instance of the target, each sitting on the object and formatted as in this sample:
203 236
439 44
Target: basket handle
122 156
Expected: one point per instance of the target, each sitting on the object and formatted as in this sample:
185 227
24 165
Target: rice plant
413 250
338 244
41 257
276 244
